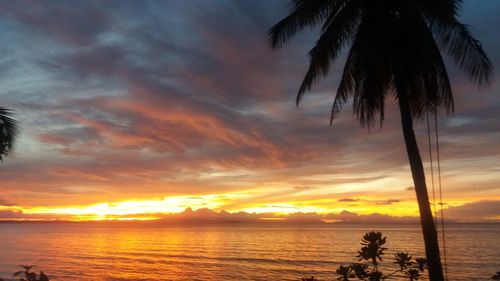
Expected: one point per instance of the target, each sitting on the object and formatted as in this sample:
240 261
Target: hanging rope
432 167
445 266
440 195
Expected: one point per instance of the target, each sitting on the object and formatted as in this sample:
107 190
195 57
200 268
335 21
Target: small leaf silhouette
413 274
403 260
43 277
27 267
375 276
422 263
360 270
344 272
31 276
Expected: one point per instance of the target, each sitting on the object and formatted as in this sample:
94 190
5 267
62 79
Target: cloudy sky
131 108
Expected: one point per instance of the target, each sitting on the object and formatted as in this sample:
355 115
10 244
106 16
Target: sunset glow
155 209
137 116
249 140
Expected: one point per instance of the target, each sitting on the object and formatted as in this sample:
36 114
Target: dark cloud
348 200
19 215
387 202
6 203
63 20
475 211
303 187
54 139
9 214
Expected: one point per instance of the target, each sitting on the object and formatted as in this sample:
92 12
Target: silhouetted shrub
28 275
372 250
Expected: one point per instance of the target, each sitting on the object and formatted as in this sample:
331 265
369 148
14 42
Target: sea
115 251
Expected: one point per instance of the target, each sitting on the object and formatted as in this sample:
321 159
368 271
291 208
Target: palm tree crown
395 48
8 131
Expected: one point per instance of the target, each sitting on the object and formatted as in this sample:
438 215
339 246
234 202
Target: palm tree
8 131
395 50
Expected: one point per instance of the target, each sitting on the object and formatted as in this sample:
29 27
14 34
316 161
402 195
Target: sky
137 109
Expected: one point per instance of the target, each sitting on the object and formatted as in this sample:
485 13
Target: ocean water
148 252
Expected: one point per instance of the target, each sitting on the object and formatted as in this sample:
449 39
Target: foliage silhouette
394 51
403 260
372 247
372 250
30 276
344 272
8 132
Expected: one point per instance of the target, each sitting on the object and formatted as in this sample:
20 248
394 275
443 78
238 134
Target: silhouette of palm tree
8 131
394 51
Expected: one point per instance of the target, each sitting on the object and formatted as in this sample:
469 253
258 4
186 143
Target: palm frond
466 50
338 31
421 66
437 86
373 85
303 14
347 84
373 64
443 10
8 131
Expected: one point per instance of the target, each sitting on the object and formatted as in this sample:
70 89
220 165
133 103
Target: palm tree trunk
417 171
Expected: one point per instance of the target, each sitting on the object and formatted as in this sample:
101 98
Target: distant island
205 216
